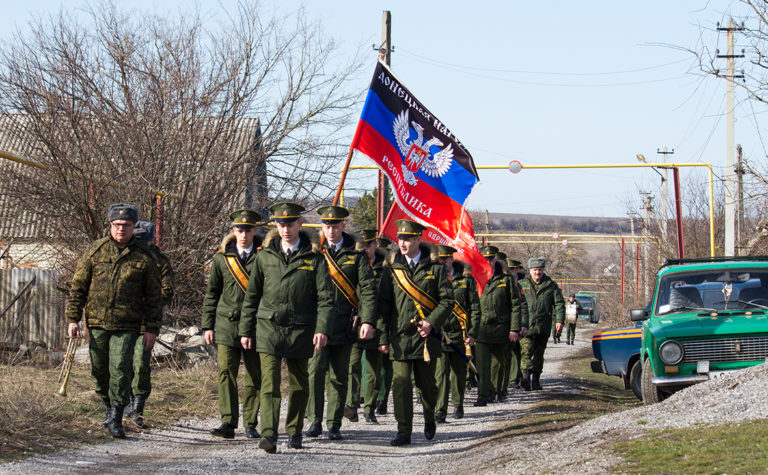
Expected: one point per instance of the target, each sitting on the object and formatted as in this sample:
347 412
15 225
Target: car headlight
671 352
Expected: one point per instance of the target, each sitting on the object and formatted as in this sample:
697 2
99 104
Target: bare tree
118 105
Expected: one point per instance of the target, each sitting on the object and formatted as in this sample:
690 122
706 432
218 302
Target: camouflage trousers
571 331
532 353
142 383
111 355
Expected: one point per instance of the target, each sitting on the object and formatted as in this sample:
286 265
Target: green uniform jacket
116 290
224 298
545 304
356 267
397 308
515 283
465 293
500 310
286 303
377 269
166 273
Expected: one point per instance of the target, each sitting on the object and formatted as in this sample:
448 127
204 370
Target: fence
32 308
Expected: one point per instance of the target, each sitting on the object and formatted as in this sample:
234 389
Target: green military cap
285 212
383 242
489 251
244 218
535 262
332 214
369 235
501 256
512 263
445 251
408 229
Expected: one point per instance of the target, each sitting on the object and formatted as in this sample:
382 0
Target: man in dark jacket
116 285
384 244
367 350
451 368
545 307
516 272
142 376
415 296
230 273
354 312
288 308
499 324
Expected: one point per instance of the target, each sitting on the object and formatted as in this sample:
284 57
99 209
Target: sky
544 83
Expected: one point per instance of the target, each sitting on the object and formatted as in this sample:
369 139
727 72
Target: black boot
535 384
525 382
138 411
381 408
115 424
107 408
129 408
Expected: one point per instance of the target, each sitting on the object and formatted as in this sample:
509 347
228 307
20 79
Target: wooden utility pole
664 194
648 207
740 197
385 54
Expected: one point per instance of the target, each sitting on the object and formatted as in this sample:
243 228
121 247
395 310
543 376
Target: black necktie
413 265
244 256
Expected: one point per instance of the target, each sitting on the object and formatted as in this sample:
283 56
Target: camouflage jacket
166 273
224 297
116 290
545 305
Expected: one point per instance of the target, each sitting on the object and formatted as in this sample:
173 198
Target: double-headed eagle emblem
417 153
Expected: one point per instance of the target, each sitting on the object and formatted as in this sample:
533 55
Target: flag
465 244
431 172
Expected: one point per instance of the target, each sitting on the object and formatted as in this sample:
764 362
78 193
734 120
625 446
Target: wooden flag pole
343 177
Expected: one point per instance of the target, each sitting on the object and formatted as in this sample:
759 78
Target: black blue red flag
431 172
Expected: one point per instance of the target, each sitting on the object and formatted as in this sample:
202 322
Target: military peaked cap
286 212
332 214
501 256
124 211
445 251
408 229
244 218
535 262
369 235
489 251
383 242
144 231
512 263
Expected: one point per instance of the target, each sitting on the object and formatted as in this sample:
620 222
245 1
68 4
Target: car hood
685 325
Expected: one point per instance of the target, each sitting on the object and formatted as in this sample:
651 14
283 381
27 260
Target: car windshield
585 302
713 290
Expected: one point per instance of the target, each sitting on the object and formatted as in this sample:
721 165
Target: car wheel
635 377
651 394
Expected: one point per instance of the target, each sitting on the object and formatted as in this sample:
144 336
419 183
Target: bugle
66 367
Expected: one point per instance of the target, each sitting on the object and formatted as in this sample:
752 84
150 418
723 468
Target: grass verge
36 421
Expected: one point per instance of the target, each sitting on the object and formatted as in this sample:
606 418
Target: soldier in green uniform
288 311
545 307
516 273
451 367
222 310
142 382
415 297
354 314
573 309
368 349
116 285
499 324
386 362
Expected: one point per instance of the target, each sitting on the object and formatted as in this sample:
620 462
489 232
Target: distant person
546 307
222 310
572 310
142 382
116 286
515 274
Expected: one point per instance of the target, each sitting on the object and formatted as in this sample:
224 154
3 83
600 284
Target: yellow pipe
557 242
596 236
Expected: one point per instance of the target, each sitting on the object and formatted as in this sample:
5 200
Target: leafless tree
118 105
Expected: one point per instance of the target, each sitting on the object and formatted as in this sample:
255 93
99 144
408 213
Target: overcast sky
545 83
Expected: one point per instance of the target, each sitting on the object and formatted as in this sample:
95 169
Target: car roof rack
700 260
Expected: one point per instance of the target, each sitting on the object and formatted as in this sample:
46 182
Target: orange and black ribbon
238 271
461 315
341 281
407 285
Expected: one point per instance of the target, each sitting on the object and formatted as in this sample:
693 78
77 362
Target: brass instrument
66 367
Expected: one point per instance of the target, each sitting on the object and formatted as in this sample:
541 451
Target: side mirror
638 314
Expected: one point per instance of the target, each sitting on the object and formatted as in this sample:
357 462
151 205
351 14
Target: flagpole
343 176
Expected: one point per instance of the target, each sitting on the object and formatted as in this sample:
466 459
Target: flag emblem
417 152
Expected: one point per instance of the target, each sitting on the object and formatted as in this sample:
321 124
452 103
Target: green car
588 302
707 317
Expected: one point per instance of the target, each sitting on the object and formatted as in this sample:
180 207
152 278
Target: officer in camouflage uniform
370 349
499 324
386 362
415 297
516 273
288 307
116 286
545 306
222 310
142 383
354 314
451 367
